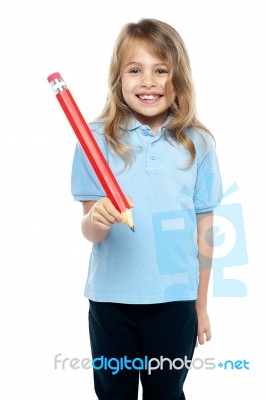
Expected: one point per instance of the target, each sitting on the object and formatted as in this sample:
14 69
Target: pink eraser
53 76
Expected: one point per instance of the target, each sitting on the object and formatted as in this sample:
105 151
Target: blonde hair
163 41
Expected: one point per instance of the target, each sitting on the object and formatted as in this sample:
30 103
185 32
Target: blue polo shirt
158 263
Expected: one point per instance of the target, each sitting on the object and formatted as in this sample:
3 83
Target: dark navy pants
167 330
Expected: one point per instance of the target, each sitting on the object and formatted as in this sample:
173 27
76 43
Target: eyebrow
137 63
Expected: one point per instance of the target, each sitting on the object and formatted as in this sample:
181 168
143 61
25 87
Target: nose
148 80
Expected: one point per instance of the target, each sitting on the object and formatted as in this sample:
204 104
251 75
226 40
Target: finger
105 216
208 335
105 212
97 217
111 213
100 225
99 220
201 338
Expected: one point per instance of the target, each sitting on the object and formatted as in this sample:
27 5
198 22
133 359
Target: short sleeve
85 184
208 191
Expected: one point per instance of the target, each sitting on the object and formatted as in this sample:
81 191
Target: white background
43 254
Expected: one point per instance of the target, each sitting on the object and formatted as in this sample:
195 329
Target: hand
103 214
204 328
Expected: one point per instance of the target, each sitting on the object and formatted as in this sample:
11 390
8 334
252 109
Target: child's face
143 87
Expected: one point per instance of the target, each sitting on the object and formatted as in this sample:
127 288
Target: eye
162 71
134 71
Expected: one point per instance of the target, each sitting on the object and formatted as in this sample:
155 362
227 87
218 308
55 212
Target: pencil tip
132 228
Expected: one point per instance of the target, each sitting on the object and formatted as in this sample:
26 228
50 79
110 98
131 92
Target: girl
148 290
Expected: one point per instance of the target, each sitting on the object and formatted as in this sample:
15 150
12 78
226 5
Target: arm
98 218
205 247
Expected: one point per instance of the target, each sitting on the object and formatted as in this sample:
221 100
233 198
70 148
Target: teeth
146 97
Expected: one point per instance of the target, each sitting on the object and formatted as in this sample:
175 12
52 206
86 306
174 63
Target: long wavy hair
165 43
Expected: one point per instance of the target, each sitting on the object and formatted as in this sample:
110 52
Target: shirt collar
131 123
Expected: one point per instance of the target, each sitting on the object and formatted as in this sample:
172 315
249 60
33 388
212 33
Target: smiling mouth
149 96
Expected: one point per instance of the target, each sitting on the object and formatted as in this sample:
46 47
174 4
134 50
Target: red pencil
91 148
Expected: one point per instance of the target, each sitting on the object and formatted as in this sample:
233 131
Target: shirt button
153 144
153 156
144 130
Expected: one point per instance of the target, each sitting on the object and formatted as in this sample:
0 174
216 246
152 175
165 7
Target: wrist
201 305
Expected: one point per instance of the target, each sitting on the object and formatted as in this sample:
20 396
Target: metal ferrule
58 85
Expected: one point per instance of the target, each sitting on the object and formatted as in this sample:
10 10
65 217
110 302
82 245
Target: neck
153 122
